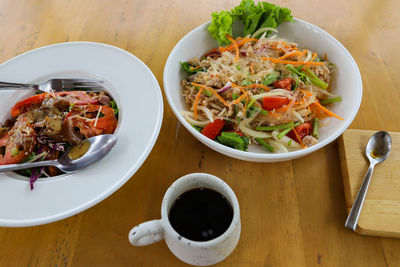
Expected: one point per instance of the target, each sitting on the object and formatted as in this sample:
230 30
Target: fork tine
86 89
83 86
81 81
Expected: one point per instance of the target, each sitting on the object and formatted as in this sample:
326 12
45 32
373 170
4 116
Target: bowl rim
253 156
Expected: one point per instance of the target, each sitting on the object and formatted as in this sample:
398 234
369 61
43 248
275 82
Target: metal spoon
100 145
377 150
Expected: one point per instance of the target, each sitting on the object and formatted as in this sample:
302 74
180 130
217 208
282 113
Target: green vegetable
238 67
245 82
314 79
252 17
14 151
190 68
114 107
290 67
285 131
235 96
263 112
71 106
270 78
315 130
207 93
197 128
265 144
251 103
234 140
330 100
275 127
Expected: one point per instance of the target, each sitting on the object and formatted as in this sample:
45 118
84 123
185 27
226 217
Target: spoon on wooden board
377 150
78 157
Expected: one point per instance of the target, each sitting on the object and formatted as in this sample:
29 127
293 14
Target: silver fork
56 85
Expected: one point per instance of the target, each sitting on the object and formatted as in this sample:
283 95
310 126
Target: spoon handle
20 166
354 214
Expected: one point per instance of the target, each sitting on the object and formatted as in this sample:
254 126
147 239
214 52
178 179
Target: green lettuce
252 16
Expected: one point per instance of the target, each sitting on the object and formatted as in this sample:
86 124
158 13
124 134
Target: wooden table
293 212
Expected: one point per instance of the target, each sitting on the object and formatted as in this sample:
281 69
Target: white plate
347 84
130 82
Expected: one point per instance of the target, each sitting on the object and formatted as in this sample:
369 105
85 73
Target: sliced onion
281 148
187 114
265 29
285 140
298 116
274 92
222 112
309 56
252 133
227 86
207 111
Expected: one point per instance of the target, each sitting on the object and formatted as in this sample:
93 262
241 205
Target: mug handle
146 233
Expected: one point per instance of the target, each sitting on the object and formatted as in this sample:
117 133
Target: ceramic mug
200 253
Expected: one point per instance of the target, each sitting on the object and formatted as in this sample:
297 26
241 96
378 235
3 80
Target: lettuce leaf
220 26
252 16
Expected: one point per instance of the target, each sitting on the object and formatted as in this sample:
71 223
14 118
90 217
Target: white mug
199 253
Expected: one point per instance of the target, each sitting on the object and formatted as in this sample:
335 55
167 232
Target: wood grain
293 213
380 215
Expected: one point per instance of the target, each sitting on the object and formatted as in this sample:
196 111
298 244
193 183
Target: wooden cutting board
380 215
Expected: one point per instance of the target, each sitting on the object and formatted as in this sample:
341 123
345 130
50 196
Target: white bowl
347 84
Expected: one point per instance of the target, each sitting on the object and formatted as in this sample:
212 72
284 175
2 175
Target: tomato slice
213 128
301 130
271 102
86 120
284 84
25 104
76 97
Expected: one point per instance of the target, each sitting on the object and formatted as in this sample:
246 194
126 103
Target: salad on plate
257 87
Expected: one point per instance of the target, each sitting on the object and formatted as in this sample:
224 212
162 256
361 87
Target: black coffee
201 214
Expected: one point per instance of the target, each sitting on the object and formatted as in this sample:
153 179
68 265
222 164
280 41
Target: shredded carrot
239 43
275 60
251 68
298 137
306 92
314 55
330 113
235 44
254 85
196 101
290 54
212 91
240 98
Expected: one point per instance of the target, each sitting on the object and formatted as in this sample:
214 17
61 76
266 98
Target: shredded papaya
235 44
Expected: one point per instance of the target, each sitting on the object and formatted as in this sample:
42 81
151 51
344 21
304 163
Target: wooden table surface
293 212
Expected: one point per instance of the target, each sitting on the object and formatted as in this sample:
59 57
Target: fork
56 85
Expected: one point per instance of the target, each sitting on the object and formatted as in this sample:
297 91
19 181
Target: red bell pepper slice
301 130
213 128
271 102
